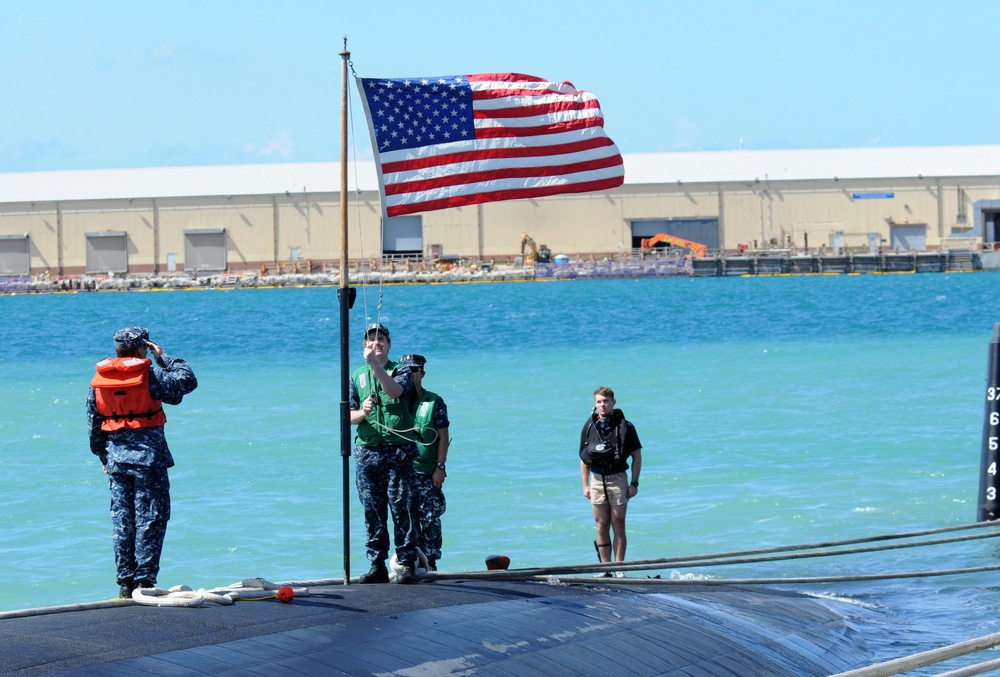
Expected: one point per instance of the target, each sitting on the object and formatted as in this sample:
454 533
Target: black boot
127 586
377 574
405 576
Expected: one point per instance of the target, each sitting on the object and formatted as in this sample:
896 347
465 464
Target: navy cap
412 361
376 326
131 337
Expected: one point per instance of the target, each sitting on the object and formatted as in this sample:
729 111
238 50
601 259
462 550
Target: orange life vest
121 387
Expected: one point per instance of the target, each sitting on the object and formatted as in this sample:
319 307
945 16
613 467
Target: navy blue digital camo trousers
140 509
430 506
385 479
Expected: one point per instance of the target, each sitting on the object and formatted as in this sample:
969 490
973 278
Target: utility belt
407 448
131 416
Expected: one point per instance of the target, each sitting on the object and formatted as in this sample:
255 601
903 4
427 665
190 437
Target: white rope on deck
969 670
178 596
183 596
925 658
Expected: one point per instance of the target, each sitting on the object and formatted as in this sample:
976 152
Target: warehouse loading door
986 222
14 258
704 230
403 236
908 238
991 228
205 249
107 252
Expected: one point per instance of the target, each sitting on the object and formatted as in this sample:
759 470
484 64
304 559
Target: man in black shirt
606 443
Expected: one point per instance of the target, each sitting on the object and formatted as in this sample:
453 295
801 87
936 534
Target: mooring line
825 544
724 559
826 549
932 657
626 581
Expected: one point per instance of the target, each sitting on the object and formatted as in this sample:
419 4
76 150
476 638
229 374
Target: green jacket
426 433
390 421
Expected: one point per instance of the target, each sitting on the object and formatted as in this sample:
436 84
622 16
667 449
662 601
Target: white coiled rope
183 596
421 568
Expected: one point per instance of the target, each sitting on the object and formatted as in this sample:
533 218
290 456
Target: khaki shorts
617 486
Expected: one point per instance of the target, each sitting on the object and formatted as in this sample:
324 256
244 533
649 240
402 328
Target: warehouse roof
163 182
736 166
797 165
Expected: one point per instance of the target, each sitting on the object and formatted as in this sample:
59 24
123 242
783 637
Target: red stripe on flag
497 174
538 109
517 92
503 77
494 154
512 194
555 127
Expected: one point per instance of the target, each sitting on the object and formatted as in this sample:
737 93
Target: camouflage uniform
385 476
430 499
136 460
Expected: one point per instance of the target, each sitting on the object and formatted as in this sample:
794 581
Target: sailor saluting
125 418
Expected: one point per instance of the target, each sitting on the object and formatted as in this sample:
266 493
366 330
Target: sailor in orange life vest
125 419
606 442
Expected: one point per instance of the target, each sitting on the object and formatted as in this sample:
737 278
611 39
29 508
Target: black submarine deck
454 627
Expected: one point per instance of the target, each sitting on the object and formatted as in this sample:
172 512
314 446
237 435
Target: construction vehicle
697 249
532 253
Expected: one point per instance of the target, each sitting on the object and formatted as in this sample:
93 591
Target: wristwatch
635 483
440 466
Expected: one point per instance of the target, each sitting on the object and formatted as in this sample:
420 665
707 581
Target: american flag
465 139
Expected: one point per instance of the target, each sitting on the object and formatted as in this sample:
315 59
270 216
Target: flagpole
345 295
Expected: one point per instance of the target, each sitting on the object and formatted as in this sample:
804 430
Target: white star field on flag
410 113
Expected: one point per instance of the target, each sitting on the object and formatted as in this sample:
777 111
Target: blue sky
109 84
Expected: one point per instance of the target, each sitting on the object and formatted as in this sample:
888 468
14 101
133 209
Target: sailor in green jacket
381 394
430 420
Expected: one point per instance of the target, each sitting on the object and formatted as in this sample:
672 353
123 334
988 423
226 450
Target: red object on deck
495 562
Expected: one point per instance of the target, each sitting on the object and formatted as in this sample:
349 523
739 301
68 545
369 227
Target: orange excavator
699 250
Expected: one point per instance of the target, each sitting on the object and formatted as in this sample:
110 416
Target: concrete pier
625 266
791 264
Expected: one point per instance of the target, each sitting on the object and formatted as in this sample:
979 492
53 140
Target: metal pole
346 298
989 506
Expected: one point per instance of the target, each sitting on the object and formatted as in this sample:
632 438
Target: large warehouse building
254 217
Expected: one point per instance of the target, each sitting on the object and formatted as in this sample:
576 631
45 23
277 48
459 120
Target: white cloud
162 51
685 135
280 145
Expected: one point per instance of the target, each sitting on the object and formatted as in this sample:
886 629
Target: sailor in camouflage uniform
381 394
125 418
430 422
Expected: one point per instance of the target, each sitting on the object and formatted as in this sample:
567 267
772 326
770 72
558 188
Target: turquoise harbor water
772 411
